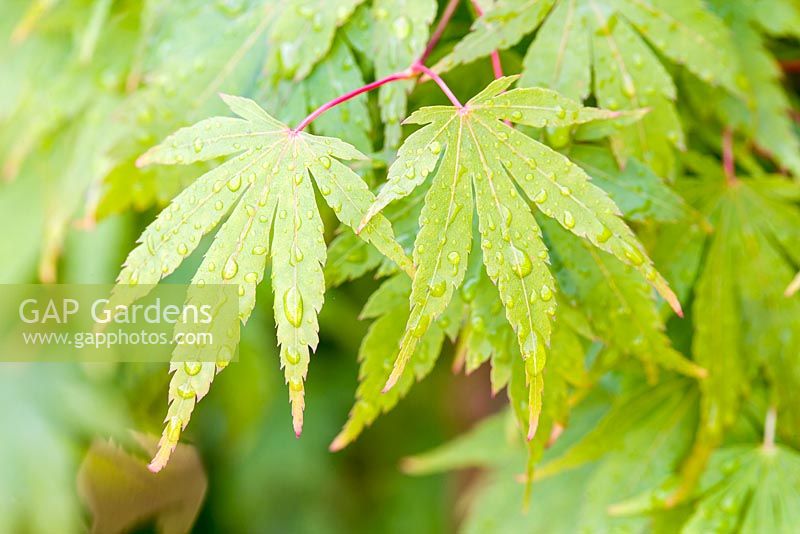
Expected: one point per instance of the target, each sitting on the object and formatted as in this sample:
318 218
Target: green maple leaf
266 186
745 323
392 34
295 49
378 350
616 302
748 489
470 147
607 38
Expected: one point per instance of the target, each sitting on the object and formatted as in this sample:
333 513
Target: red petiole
415 69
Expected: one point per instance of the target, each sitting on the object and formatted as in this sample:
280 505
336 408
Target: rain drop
546 293
569 220
402 27
293 306
230 269
192 368
186 391
438 289
520 262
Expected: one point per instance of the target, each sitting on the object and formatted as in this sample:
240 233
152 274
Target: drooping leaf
266 186
377 353
616 301
471 147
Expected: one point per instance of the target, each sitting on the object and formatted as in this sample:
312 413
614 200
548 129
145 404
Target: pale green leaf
499 28
267 184
483 153
302 33
392 34
560 56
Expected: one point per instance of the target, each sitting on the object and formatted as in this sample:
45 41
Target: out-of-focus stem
497 66
447 14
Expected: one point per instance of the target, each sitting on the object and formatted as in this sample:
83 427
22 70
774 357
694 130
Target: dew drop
183 250
634 256
546 293
292 356
296 385
569 220
422 325
293 306
325 161
297 254
604 235
173 429
469 290
230 269
218 205
192 368
438 289
540 197
186 391
251 278
198 145
435 147
402 27
259 250
516 115
520 262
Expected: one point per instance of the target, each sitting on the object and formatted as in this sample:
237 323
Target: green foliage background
668 421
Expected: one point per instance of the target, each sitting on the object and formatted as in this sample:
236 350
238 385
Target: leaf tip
161 458
298 404
533 425
338 443
143 161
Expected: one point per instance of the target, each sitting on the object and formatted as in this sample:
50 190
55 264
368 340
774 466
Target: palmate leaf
266 186
470 148
605 454
611 40
745 325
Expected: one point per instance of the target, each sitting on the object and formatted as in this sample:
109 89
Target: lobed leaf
268 186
